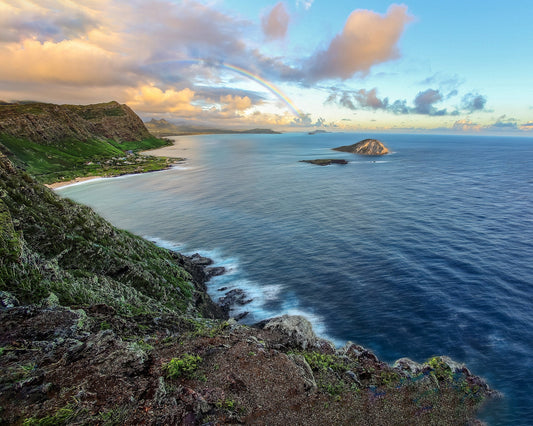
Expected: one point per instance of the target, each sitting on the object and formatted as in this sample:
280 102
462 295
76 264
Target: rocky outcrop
89 366
48 123
325 161
365 147
295 330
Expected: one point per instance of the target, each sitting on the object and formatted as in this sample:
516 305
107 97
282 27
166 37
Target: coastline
83 179
74 181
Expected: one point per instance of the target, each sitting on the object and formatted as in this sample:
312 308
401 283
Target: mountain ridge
62 142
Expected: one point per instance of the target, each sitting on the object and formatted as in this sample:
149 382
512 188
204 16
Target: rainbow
258 79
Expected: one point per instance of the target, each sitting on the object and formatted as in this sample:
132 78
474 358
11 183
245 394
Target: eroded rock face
365 147
46 123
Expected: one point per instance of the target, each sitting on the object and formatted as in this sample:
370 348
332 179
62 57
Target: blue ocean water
426 251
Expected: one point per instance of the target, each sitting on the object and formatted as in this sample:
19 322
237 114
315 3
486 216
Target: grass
52 245
69 158
62 416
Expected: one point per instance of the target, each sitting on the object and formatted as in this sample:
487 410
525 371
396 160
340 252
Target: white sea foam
170 245
81 183
260 295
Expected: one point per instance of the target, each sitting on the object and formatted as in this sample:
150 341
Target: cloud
149 98
367 39
473 102
210 92
276 22
527 126
443 81
235 104
425 100
304 120
70 62
365 99
369 99
399 107
305 3
466 125
346 101
93 50
504 123
53 20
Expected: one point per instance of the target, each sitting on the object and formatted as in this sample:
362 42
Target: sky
296 65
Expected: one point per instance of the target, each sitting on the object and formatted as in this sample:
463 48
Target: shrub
182 366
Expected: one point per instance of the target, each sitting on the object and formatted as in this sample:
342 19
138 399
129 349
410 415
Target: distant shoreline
82 179
61 184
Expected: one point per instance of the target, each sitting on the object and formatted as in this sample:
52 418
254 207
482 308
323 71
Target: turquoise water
426 251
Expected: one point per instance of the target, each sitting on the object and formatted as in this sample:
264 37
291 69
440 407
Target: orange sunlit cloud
367 38
69 61
150 98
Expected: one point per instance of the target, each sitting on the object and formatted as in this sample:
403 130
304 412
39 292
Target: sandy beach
158 152
56 185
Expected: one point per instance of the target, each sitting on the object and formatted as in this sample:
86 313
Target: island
325 161
316 132
365 147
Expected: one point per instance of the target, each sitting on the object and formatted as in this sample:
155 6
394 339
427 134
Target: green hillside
57 143
51 245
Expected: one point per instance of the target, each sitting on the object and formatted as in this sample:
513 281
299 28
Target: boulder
296 328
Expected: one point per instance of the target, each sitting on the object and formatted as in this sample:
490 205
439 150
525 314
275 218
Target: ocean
425 251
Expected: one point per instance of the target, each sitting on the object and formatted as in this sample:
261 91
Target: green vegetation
71 158
63 416
320 362
61 142
185 365
51 245
440 370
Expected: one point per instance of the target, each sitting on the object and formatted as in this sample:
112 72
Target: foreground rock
365 147
325 161
89 366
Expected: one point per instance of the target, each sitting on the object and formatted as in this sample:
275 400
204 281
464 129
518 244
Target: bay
425 251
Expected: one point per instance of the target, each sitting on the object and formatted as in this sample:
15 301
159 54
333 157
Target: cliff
365 147
61 142
48 123
98 326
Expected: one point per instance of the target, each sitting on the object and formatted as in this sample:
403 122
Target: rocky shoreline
89 366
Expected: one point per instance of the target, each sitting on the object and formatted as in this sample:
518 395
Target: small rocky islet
365 147
325 161
370 147
99 326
